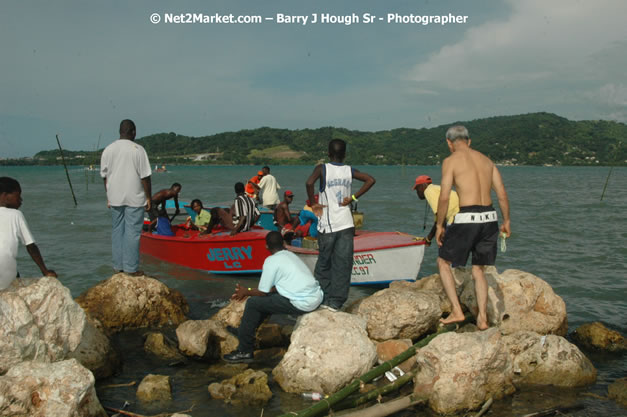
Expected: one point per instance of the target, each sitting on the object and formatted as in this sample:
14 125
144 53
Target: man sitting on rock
286 287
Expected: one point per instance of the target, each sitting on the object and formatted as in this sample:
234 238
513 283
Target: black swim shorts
475 229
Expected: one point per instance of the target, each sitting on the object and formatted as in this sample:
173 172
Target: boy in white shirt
13 228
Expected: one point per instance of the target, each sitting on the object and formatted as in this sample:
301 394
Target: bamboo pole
375 393
387 408
327 403
66 172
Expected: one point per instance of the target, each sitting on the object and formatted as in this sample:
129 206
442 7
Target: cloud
541 41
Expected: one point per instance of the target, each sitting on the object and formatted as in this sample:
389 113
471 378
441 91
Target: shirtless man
475 228
161 197
282 212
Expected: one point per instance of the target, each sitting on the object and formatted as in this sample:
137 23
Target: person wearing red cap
284 220
475 228
431 192
252 186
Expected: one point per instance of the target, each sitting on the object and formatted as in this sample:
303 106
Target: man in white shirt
125 169
268 189
336 230
13 229
286 287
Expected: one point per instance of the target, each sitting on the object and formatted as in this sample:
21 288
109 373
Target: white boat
378 257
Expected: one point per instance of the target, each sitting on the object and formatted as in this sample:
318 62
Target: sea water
561 232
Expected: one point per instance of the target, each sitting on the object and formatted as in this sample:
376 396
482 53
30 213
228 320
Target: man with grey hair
475 228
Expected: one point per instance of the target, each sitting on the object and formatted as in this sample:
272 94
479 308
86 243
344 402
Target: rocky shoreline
54 348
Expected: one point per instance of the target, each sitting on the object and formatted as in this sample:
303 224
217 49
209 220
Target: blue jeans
335 265
127 225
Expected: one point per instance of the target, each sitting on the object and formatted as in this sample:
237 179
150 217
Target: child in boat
13 228
162 223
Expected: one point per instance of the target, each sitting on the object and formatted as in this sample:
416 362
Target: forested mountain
530 139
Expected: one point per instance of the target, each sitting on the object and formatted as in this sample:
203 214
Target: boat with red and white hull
378 257
217 253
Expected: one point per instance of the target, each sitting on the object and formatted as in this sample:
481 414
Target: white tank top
337 180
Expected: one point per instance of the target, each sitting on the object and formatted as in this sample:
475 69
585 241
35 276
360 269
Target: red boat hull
218 253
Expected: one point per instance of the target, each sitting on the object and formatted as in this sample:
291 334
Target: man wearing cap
284 220
431 192
252 186
475 228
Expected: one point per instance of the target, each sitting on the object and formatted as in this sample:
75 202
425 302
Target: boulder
231 314
60 389
127 302
222 370
41 322
433 284
460 371
518 300
248 388
391 348
154 388
199 338
270 335
595 336
159 345
547 360
617 391
327 351
396 314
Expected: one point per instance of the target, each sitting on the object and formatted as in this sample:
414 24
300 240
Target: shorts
475 229
153 213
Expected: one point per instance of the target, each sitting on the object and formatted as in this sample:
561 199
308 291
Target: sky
77 68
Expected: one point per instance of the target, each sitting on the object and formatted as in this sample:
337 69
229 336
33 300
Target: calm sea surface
560 232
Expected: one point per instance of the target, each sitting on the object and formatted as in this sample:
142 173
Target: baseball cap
289 193
422 179
260 173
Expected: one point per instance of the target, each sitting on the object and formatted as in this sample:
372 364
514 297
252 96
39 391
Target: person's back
124 163
472 177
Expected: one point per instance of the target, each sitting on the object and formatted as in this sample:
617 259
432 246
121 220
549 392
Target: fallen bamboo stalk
131 414
485 407
375 393
390 407
129 384
556 411
327 403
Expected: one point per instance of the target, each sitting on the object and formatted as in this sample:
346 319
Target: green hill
529 139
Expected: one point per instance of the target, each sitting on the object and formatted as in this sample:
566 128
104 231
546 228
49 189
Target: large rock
327 351
159 345
433 284
154 388
460 371
548 360
617 391
59 389
41 322
249 387
231 314
396 314
127 302
518 300
597 336
201 338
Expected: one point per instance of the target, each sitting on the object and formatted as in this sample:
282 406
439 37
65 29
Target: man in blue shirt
286 287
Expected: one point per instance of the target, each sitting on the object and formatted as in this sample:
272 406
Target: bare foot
482 323
453 318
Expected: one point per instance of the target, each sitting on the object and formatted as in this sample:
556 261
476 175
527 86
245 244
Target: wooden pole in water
610 173
67 174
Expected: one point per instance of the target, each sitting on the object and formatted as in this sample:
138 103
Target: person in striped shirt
244 212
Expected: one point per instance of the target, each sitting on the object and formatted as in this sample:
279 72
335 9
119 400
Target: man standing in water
475 228
125 169
336 229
